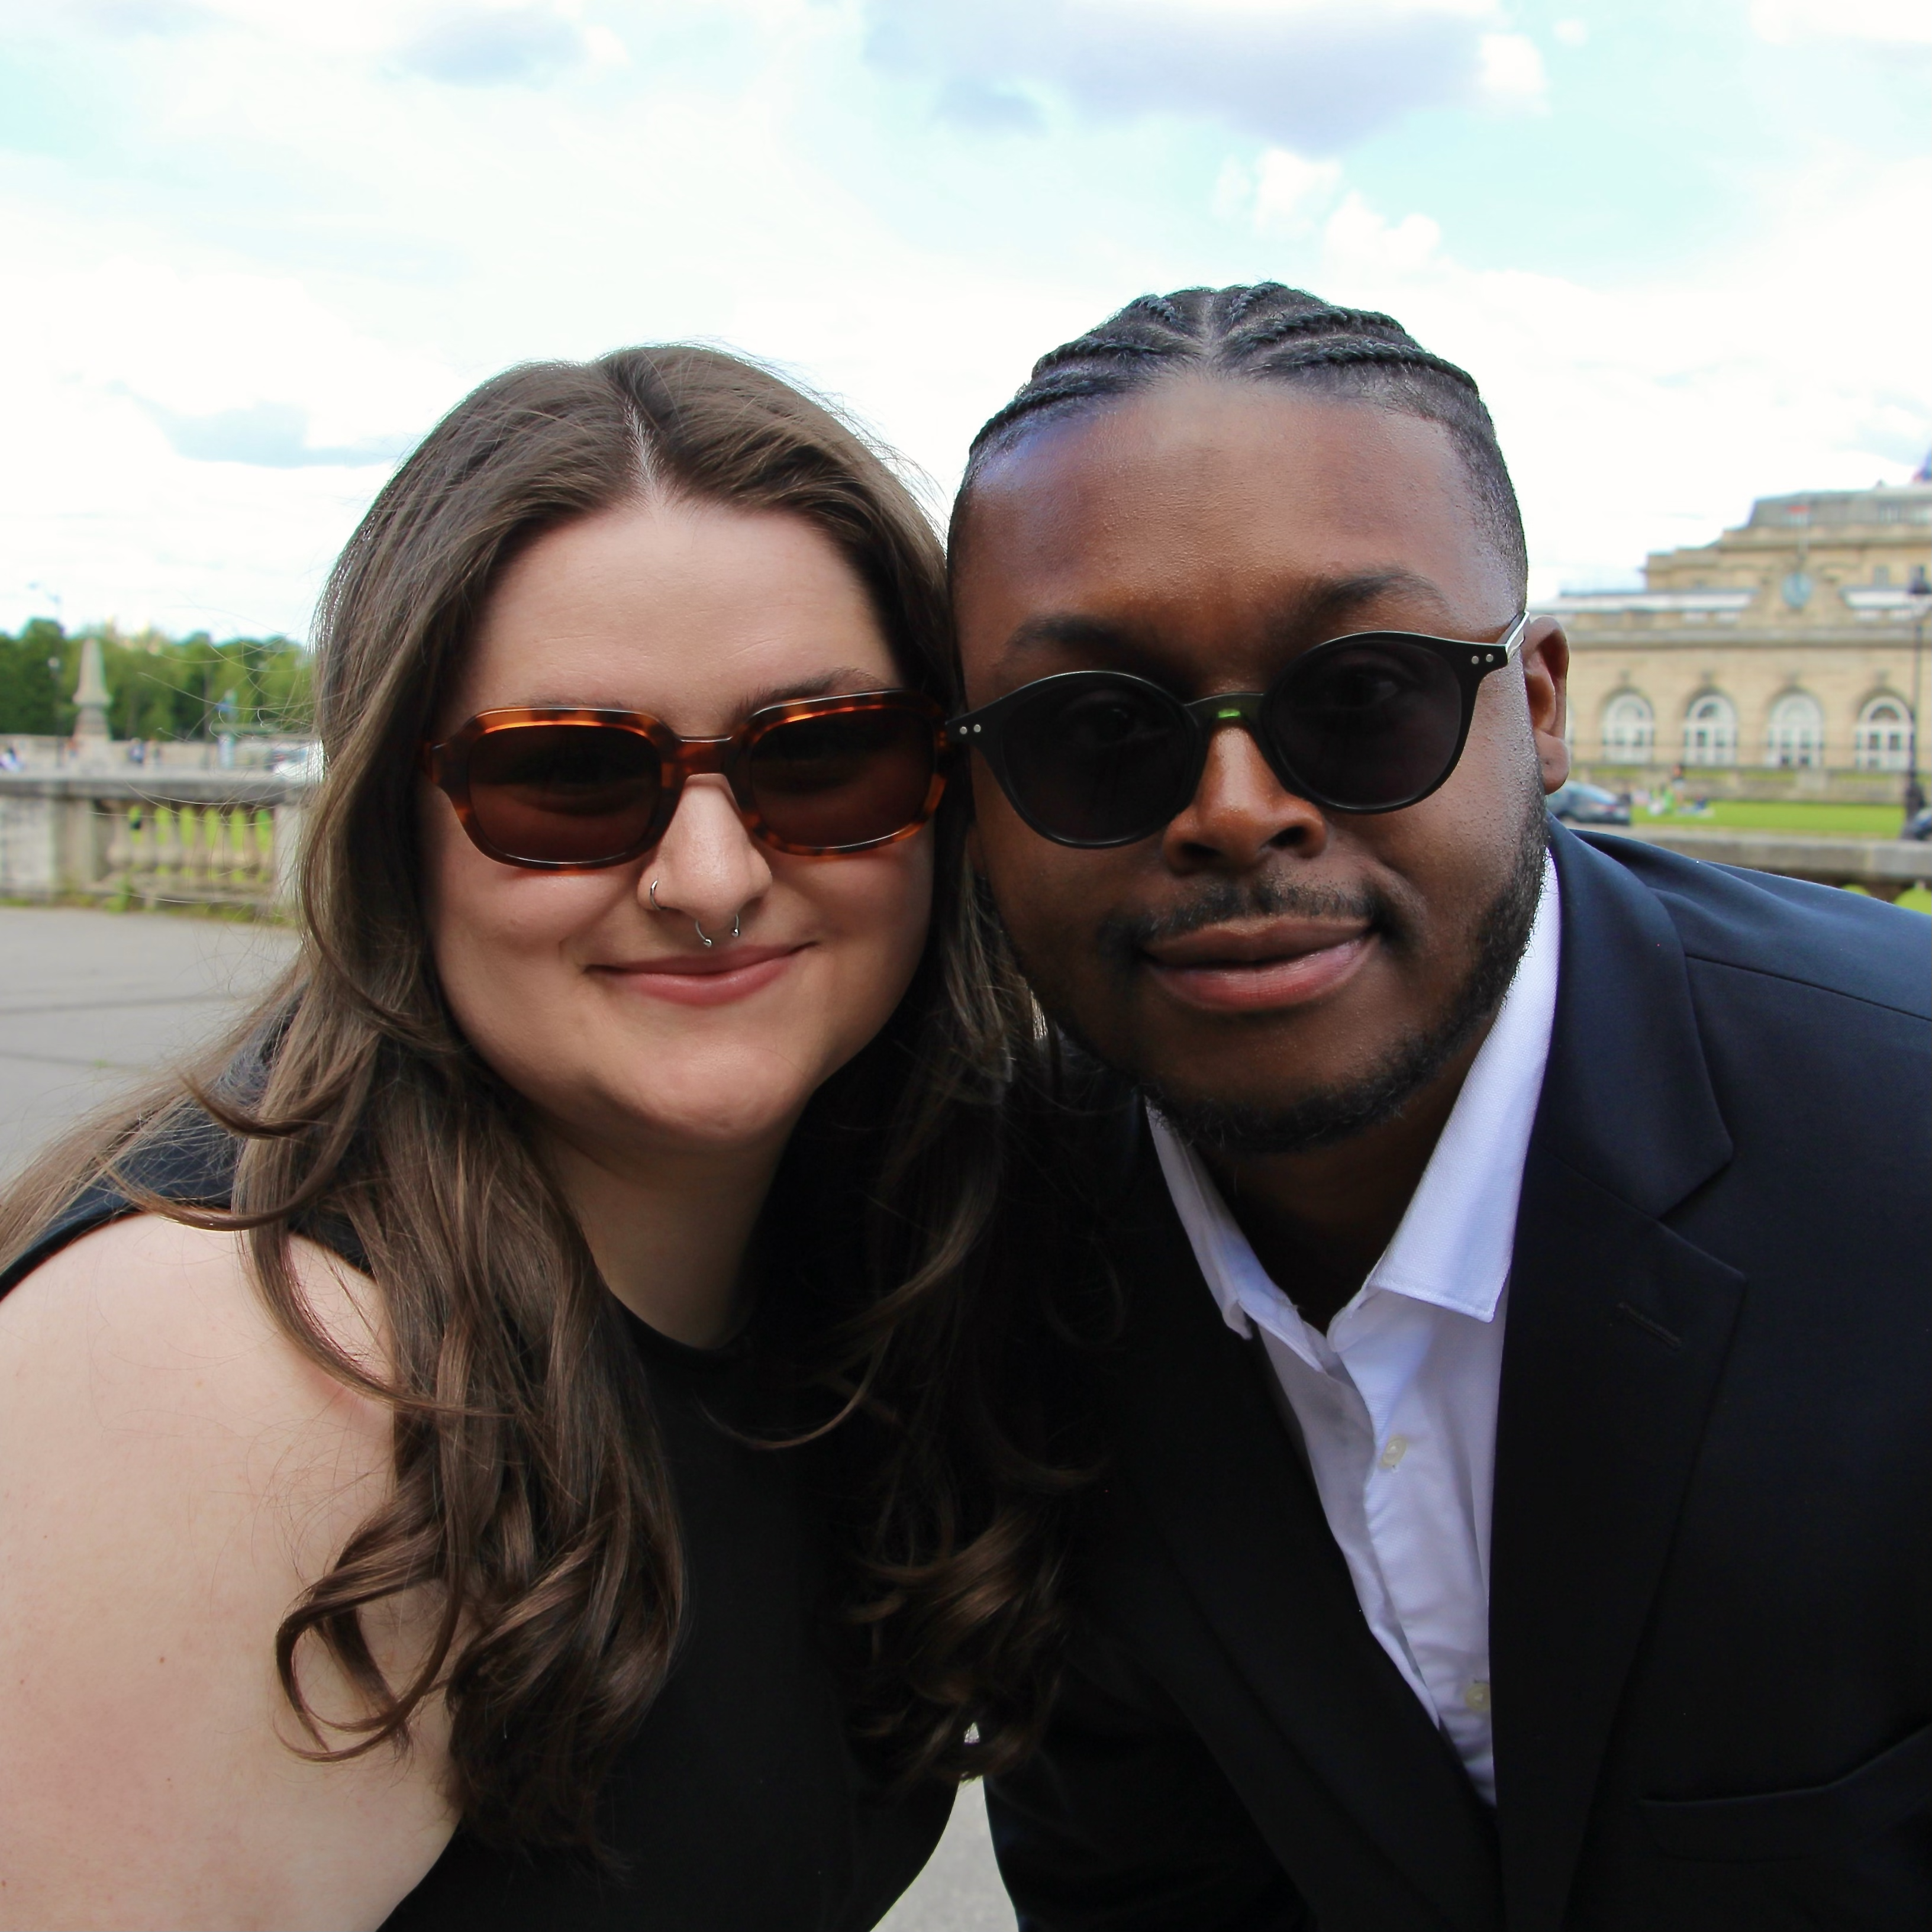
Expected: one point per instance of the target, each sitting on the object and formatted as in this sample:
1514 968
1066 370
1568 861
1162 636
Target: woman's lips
1257 970
706 979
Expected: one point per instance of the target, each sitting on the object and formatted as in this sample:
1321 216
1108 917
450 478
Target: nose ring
709 942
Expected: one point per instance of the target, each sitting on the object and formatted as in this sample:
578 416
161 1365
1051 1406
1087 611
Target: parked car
300 767
1918 826
1579 804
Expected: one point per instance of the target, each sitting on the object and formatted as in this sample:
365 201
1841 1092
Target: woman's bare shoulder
149 1327
174 1472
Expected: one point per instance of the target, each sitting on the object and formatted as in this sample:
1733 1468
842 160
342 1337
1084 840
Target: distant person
10 759
398 1524
1517 1509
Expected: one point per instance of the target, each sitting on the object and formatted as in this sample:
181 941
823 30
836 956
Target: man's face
1260 958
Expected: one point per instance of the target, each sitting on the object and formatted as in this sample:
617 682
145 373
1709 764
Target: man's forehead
1194 478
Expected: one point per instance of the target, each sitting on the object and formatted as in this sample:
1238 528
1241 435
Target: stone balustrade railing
1884 867
232 838
134 839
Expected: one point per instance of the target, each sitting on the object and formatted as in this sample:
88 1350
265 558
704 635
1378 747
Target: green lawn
1918 899
1825 821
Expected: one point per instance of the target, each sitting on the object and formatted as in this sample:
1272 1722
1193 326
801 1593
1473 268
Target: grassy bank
1820 820
1817 819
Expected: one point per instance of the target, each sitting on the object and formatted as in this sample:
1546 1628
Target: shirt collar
1454 1246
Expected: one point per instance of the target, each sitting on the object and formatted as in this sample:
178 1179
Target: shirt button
1393 1451
1476 1697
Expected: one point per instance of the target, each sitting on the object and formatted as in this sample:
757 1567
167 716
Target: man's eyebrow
1316 607
1331 601
1063 628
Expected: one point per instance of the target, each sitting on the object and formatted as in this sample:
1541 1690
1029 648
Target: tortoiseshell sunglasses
567 790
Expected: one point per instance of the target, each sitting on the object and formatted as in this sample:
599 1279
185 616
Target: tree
161 687
33 697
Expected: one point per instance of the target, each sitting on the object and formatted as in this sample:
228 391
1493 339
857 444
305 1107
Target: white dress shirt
1395 1406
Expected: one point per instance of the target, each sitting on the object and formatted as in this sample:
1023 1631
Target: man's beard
1246 1130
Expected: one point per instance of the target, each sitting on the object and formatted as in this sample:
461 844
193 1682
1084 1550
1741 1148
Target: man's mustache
1123 937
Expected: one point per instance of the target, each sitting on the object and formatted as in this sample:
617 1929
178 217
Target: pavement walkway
91 1002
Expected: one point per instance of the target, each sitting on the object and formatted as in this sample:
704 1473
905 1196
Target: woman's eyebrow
846 678
823 684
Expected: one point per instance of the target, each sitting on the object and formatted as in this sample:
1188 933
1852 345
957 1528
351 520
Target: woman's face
609 1015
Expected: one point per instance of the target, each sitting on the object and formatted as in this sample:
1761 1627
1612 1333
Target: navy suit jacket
1711 1603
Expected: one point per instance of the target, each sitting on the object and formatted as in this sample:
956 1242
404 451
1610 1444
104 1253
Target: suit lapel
1617 1336
1207 1453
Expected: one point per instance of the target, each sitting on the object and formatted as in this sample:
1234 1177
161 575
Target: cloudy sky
252 248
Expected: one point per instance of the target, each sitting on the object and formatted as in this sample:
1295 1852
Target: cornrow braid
1319 320
1333 354
1244 299
1266 331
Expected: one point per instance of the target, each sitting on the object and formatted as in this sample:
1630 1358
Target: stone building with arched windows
1777 662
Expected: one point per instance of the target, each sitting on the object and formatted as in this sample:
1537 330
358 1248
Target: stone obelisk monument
90 736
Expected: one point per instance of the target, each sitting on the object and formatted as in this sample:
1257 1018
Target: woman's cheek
500 938
876 908
897 913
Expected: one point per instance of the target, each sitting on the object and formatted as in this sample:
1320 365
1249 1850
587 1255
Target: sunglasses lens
1098 761
564 794
1368 724
841 778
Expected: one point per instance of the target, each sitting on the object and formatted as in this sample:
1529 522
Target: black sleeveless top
738 1805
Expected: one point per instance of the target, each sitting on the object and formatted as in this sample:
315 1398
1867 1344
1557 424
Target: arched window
1629 730
1882 742
1710 730
1796 735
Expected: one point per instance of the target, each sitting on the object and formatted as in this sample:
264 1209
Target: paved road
90 1001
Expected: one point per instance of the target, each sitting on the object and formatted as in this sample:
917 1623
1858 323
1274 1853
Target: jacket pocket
1884 1792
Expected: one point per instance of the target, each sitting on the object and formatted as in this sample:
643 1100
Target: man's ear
1545 678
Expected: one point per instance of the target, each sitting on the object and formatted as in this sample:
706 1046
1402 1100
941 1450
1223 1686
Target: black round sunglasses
1370 722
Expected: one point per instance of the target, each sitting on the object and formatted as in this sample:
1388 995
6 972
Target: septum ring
705 937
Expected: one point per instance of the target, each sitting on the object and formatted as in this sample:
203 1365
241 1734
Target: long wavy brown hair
530 1491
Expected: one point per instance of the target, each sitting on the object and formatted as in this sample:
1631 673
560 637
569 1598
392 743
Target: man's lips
1255 968
713 978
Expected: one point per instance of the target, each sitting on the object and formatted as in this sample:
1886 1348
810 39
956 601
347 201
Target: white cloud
1358 242
130 18
271 244
1282 194
1572 33
495 46
1512 72
1311 75
268 436
1899 22
1650 414
188 434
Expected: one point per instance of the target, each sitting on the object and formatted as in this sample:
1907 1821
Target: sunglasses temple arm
1513 638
